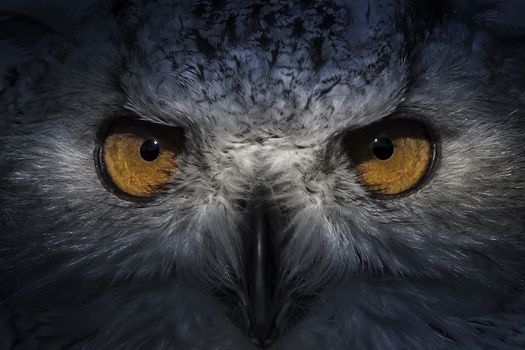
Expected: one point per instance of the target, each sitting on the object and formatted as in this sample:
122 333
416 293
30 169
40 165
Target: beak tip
261 337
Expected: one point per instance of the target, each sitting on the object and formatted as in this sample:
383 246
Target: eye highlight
392 156
140 158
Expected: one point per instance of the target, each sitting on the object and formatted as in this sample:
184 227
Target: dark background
515 12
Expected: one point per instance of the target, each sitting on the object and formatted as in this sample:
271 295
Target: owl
226 174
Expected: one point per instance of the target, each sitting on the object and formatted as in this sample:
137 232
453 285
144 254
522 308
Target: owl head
282 174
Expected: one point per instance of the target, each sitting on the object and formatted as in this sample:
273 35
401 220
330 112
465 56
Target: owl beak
259 277
265 310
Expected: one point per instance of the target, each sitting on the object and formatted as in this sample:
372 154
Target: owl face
238 175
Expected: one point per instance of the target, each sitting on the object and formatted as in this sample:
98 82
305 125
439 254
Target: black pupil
150 149
383 148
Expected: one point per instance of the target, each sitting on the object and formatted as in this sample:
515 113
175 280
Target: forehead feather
292 62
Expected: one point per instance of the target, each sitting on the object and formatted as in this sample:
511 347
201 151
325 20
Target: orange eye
392 156
140 157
